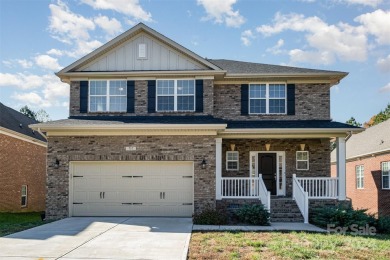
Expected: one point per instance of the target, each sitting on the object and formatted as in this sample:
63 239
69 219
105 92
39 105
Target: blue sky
38 38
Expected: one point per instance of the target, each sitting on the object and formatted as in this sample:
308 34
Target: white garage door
132 188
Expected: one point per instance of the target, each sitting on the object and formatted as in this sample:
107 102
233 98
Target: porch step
285 210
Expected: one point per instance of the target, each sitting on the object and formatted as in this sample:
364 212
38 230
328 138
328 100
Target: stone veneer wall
312 102
319 156
112 148
141 101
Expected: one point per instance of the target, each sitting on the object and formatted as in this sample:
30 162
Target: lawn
15 222
278 245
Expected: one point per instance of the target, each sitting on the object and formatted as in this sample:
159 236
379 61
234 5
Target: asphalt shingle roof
241 67
16 121
372 140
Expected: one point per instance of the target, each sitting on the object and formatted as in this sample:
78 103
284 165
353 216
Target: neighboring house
22 163
156 130
368 169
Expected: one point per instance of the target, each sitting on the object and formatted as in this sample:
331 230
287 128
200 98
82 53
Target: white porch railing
245 188
319 187
301 197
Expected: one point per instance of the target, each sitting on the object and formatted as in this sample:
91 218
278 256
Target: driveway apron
101 238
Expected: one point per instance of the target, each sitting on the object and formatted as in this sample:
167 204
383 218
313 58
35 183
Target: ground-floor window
302 160
232 161
24 196
359 176
385 175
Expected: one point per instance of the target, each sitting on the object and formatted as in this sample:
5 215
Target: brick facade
21 163
372 196
312 102
319 156
112 148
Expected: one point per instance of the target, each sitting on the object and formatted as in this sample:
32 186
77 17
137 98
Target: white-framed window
107 96
359 169
302 160
24 196
175 95
142 51
385 175
232 162
267 98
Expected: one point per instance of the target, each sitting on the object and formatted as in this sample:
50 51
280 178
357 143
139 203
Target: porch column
341 171
218 168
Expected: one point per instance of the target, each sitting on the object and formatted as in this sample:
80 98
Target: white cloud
47 62
221 11
326 42
43 90
127 7
66 25
246 37
25 64
385 88
372 3
377 23
384 64
111 26
55 52
276 49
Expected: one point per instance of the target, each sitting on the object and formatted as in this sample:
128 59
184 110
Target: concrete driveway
101 238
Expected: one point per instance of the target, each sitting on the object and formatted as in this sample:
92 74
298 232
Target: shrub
210 216
383 224
342 216
254 214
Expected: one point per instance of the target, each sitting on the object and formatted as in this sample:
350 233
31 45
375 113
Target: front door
267 167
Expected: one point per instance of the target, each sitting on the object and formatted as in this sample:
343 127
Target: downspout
39 131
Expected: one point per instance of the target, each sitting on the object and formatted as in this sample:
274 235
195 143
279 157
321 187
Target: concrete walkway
277 226
101 238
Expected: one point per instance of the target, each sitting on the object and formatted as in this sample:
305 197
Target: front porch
272 169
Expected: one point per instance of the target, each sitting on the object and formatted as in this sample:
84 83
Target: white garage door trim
144 165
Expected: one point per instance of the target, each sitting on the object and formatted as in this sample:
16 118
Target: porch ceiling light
302 147
203 164
267 146
232 147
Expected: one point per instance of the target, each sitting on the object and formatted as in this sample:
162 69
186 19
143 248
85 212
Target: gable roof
241 67
124 37
18 123
373 140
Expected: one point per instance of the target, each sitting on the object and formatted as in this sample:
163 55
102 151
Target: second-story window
267 99
175 95
107 96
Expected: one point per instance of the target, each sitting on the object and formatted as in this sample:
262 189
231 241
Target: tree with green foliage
379 118
352 121
39 115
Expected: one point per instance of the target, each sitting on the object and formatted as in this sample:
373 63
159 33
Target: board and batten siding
159 57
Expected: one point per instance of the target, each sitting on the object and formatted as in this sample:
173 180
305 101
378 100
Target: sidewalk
277 226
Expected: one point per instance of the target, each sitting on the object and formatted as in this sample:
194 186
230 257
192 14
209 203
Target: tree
379 118
352 121
40 115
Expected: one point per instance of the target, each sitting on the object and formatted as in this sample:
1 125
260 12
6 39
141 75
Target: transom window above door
107 96
267 98
175 95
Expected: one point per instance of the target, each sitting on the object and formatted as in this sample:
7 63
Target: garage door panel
138 185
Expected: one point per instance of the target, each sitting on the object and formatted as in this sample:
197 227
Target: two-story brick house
156 130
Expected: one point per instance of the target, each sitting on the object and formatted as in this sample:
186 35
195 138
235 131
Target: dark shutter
199 95
290 99
83 96
151 96
130 96
244 99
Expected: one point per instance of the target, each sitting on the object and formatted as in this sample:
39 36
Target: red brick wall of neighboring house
372 196
21 163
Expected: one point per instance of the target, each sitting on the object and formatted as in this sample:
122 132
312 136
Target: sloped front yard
278 245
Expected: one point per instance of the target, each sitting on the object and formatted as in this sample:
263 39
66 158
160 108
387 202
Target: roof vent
20 125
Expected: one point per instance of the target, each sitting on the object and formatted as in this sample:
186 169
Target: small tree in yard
40 115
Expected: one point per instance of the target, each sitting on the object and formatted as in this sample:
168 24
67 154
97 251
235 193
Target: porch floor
276 226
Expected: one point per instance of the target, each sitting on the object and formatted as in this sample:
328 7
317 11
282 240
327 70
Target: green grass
293 245
15 222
